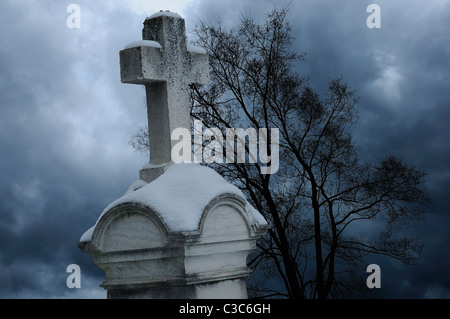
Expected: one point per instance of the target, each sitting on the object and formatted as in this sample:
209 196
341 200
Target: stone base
213 290
150 173
178 251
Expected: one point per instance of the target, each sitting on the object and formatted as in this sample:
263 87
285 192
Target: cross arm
198 66
142 65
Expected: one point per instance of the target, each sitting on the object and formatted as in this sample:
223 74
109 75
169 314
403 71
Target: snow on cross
166 65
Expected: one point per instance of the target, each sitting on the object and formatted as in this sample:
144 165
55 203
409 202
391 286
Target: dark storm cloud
65 121
63 141
39 242
401 74
404 110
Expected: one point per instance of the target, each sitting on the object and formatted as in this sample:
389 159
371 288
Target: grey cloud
65 121
401 74
62 158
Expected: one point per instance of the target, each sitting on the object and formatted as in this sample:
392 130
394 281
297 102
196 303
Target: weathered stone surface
137 251
166 73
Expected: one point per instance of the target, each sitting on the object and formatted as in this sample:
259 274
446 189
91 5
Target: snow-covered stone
166 13
143 43
195 49
183 233
194 187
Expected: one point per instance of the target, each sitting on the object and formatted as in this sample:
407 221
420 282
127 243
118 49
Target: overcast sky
66 120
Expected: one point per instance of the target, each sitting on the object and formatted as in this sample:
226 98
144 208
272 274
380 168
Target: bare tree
329 209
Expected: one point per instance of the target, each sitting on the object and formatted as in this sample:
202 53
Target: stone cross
166 65
157 241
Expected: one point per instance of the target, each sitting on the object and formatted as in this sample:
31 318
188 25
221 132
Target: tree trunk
295 291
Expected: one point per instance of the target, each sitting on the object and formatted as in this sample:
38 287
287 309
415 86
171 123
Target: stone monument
166 65
181 230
